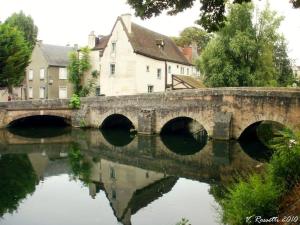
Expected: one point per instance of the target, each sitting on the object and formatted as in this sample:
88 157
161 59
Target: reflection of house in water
128 188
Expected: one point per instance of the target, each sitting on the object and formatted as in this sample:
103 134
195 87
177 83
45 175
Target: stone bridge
224 112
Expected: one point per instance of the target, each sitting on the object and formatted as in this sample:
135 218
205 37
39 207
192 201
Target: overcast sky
70 21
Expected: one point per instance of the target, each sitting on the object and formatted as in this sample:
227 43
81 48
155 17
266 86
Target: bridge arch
204 120
244 125
117 120
19 115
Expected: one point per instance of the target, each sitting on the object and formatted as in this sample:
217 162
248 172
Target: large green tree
212 12
14 56
192 35
26 25
244 53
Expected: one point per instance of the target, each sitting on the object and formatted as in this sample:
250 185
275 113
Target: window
112 173
42 74
114 194
42 92
112 69
150 88
188 71
158 73
169 69
98 91
182 70
113 47
148 68
62 92
30 92
30 75
63 73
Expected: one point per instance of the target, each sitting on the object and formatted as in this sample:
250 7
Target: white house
135 60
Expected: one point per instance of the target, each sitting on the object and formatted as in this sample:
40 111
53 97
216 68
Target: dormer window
160 43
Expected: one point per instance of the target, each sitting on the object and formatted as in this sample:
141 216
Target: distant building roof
101 42
145 42
56 55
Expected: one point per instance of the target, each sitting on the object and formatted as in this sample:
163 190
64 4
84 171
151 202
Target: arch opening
184 136
118 130
40 126
256 139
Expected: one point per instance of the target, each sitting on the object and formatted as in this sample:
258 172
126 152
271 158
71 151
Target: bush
258 196
75 102
284 165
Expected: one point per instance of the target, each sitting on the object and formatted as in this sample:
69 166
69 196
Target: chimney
127 21
92 40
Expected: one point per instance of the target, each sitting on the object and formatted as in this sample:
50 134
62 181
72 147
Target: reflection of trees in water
17 179
81 169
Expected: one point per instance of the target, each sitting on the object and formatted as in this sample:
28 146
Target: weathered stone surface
246 105
146 121
222 126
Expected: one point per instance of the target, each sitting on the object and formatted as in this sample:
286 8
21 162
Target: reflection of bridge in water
134 175
214 162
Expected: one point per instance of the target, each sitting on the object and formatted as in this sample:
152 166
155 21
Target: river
72 176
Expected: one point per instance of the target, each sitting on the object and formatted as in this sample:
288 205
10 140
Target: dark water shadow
40 127
184 144
118 137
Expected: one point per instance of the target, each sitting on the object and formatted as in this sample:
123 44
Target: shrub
258 196
75 102
284 165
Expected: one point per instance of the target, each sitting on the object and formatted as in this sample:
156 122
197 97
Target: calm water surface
77 177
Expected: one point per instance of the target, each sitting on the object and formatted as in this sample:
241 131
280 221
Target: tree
283 64
246 54
192 35
14 56
78 66
26 25
212 12
229 59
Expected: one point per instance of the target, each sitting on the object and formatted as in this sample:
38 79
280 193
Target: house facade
47 75
137 60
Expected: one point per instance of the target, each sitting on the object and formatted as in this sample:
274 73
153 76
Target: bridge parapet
150 112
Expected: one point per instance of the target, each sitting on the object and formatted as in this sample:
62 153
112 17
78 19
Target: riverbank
290 205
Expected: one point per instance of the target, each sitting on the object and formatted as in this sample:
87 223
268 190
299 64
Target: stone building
134 59
47 75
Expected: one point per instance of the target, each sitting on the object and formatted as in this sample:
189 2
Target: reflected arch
184 135
118 130
255 139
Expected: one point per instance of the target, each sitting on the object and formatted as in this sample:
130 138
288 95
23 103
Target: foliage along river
71 176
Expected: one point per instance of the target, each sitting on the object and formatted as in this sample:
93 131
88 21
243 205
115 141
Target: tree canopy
26 25
212 12
244 53
14 56
192 35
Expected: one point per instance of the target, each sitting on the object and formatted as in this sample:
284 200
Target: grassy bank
261 193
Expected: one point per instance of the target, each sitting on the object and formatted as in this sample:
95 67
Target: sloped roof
101 43
190 81
144 42
56 55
